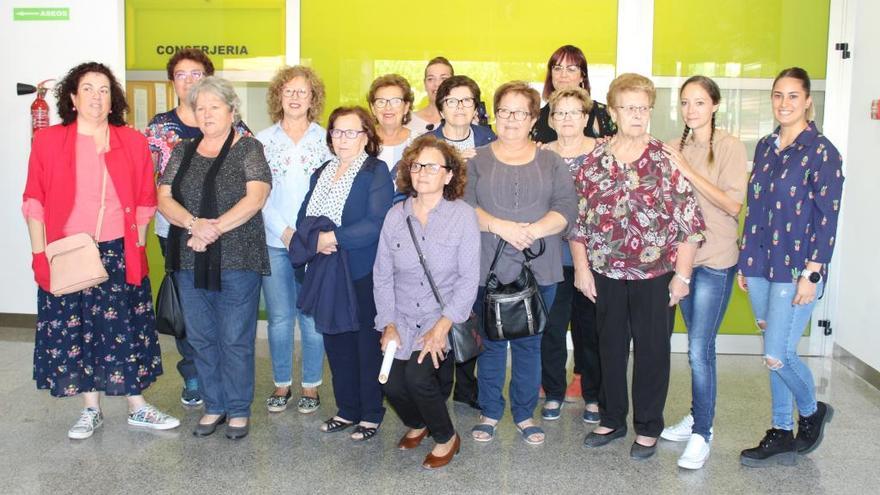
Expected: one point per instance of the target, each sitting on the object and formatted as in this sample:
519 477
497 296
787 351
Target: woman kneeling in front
433 176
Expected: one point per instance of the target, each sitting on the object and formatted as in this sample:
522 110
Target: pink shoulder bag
75 261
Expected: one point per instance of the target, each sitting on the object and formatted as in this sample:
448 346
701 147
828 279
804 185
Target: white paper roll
390 349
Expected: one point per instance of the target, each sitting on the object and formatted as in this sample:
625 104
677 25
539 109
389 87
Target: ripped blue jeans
783 325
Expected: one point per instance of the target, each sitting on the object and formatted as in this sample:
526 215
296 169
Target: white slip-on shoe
679 432
695 454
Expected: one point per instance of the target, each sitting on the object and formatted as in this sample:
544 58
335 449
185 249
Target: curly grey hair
221 88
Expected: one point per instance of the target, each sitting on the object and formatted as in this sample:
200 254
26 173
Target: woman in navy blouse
793 200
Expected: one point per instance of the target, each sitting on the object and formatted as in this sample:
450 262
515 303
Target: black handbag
169 313
464 338
516 309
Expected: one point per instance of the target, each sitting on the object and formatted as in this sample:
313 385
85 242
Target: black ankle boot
777 446
811 428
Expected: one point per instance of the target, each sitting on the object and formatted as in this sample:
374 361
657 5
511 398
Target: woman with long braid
715 164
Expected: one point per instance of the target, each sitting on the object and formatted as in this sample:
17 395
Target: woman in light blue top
294 146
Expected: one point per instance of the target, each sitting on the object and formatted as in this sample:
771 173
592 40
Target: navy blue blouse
793 200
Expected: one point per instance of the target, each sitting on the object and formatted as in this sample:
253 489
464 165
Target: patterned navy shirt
793 200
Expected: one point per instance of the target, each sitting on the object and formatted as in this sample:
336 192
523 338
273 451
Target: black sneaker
811 428
777 446
191 398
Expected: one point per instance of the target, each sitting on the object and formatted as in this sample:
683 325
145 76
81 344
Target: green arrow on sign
41 14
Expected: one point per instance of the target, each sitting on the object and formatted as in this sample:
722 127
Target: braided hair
714 93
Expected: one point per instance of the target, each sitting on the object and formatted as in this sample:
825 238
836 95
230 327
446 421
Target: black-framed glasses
349 133
195 75
455 102
504 113
298 93
383 102
431 168
570 69
572 114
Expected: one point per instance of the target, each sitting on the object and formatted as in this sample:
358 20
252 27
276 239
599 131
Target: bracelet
190 225
684 279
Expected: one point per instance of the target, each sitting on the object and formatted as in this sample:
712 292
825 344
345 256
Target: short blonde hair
284 76
630 82
579 94
520 88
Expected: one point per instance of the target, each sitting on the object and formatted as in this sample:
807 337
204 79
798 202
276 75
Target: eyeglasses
298 93
573 114
455 102
503 113
383 102
195 75
635 110
431 168
349 133
570 69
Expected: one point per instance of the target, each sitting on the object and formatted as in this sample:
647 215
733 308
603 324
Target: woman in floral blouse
295 146
793 201
639 227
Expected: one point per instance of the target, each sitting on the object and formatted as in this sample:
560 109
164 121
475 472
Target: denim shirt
793 200
292 166
450 243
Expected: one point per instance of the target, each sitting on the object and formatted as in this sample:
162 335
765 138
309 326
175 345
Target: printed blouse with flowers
163 133
292 165
793 201
633 216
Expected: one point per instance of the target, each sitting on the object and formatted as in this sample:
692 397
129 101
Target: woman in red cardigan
101 339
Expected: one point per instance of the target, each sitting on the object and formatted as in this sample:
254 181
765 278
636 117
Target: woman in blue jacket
354 191
457 100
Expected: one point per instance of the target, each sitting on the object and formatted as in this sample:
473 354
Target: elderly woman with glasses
567 69
457 100
522 194
433 176
391 98
212 193
338 225
639 227
295 146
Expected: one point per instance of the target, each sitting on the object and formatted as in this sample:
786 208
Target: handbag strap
102 207
424 263
527 252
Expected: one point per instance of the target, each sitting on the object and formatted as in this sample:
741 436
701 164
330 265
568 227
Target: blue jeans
281 291
790 379
525 369
222 328
703 311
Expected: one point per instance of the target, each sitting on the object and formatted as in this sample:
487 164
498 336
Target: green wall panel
740 38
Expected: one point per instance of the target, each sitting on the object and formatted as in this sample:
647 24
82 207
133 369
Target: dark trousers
637 311
465 382
187 365
355 359
416 392
570 306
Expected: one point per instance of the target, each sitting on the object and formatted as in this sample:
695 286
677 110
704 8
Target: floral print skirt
98 339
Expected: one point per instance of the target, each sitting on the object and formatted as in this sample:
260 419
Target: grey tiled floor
286 453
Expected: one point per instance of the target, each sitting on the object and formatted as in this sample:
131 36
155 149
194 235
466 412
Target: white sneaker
150 417
680 432
695 454
89 420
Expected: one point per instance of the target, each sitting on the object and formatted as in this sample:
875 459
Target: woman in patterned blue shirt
793 200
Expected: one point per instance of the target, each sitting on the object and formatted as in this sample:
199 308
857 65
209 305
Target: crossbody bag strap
103 205
424 263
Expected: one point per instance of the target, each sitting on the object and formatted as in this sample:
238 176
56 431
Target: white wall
855 322
33 51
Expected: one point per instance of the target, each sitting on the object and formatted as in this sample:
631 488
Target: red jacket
51 180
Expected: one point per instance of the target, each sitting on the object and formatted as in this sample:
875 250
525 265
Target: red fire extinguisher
39 108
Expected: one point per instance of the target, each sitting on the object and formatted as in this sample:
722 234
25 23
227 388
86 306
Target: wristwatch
813 277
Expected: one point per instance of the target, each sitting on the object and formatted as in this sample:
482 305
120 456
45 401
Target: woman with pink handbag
88 199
